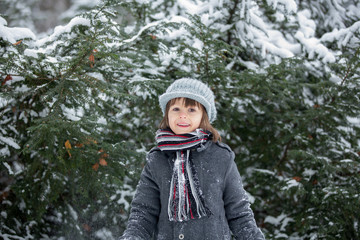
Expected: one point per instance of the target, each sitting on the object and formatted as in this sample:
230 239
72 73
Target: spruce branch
284 154
350 68
230 19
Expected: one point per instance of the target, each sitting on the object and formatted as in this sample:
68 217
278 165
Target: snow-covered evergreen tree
79 109
65 104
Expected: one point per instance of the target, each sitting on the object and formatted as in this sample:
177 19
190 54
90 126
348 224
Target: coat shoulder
154 150
224 150
223 146
154 153
155 156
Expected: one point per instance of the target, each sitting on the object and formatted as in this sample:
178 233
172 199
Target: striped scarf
185 199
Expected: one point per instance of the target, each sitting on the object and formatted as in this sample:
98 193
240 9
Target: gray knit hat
193 89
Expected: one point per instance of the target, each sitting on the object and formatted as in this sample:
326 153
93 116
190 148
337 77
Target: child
190 187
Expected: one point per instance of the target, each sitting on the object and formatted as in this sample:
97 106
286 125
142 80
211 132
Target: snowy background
78 102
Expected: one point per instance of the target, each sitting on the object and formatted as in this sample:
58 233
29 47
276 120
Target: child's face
184 119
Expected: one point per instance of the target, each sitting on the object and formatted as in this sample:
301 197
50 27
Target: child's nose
183 114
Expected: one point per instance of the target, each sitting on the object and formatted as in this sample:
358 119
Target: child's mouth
183 125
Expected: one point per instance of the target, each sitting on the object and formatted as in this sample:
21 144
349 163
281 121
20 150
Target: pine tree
65 149
298 137
79 110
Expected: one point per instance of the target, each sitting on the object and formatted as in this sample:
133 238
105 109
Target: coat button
181 236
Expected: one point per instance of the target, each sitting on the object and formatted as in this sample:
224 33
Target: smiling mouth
183 125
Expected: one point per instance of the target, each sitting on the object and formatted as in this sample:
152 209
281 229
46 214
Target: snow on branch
342 36
174 19
64 29
9 141
289 6
14 34
306 36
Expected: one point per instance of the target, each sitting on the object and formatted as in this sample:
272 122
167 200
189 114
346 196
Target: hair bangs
188 102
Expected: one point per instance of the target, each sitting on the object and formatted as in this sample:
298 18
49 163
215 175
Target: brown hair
204 124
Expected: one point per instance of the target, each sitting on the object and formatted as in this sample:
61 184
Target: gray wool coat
222 190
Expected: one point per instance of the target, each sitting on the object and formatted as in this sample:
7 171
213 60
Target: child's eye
192 110
175 109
